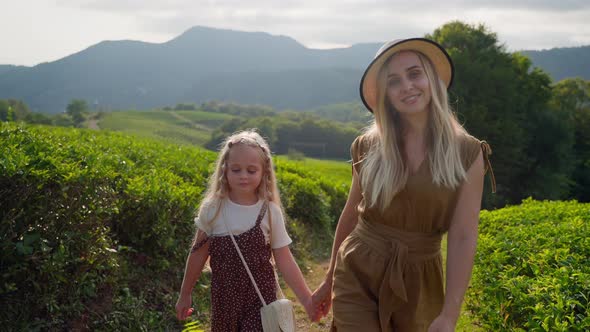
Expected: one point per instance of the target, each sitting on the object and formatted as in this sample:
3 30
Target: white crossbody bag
277 316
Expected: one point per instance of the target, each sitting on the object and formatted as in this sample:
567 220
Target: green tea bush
304 200
338 193
532 270
83 213
95 226
322 196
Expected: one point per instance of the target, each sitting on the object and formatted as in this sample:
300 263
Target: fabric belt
400 248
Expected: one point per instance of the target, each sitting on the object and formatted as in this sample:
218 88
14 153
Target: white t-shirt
241 218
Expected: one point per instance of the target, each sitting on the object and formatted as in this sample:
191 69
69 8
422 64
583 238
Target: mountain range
205 64
564 62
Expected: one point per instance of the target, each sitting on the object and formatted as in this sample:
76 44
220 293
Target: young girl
242 188
417 174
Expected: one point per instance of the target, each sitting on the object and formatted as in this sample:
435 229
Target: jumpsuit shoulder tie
487 151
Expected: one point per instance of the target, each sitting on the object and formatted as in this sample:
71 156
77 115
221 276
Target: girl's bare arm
194 266
294 278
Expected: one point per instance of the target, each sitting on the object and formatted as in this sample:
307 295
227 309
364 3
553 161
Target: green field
180 127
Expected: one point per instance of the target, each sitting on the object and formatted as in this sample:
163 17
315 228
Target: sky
36 31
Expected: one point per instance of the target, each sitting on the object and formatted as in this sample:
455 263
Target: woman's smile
411 99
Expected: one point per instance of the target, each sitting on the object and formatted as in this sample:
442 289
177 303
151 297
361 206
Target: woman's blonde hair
385 159
218 187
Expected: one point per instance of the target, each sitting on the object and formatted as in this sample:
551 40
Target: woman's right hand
322 297
183 307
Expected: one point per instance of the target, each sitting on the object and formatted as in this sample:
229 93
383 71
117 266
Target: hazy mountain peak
562 62
201 34
7 68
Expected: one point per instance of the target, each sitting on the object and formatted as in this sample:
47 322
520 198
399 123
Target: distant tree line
226 108
76 113
292 132
12 110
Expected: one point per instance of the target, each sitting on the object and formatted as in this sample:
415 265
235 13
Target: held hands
313 314
322 298
183 307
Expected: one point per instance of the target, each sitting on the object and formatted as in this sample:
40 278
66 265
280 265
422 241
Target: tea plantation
95 227
532 268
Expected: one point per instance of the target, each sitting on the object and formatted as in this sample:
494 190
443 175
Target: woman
416 175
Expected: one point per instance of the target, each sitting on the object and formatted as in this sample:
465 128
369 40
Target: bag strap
260 216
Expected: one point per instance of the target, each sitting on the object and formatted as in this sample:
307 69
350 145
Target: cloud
357 6
525 30
344 22
520 24
533 5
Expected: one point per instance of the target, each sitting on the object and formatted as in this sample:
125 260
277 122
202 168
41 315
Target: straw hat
438 56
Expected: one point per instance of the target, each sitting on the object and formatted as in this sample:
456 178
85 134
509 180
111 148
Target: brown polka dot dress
235 306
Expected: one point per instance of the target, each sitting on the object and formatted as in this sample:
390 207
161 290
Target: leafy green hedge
532 269
95 226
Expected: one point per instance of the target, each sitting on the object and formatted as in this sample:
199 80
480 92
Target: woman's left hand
313 314
442 324
322 297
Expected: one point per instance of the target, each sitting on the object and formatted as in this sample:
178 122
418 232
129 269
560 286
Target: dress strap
198 244
487 151
272 259
262 212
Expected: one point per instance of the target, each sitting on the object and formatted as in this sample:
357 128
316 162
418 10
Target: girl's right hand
322 297
183 307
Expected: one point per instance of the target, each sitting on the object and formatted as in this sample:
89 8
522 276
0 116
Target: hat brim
438 56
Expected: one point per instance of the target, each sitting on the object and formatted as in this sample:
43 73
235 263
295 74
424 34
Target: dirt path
188 121
93 124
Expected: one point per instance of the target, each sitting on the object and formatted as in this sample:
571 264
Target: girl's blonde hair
385 159
218 188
